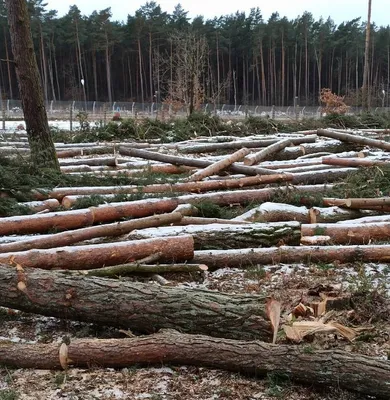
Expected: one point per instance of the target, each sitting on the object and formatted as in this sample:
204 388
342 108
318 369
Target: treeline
233 59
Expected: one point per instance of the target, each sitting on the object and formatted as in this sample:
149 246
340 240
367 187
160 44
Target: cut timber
365 220
354 162
143 308
223 236
37 206
192 162
85 217
290 153
291 254
70 196
218 166
135 268
363 203
346 137
100 255
274 212
205 221
237 144
349 233
109 161
334 214
326 175
74 236
351 371
264 154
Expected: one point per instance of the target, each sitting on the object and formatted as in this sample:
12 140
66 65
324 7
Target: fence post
104 114
273 112
93 108
8 106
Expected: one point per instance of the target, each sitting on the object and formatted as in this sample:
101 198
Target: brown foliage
332 104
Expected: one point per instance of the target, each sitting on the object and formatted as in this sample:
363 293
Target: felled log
99 255
354 162
349 233
262 155
140 307
82 151
326 175
291 254
363 203
192 162
346 137
39 223
220 165
206 221
237 144
223 236
135 268
204 186
365 220
274 212
335 214
351 371
292 152
78 235
108 161
37 206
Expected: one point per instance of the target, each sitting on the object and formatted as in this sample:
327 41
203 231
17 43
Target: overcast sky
338 10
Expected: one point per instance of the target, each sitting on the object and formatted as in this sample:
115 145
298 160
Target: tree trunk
347 137
346 370
149 155
222 236
74 194
74 236
42 148
220 165
366 82
100 255
8 64
215 259
143 308
85 217
349 233
264 154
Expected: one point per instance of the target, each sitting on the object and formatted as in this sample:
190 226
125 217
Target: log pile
73 272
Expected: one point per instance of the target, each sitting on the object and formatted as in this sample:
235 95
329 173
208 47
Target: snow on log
215 259
355 162
349 233
347 137
103 254
228 236
264 154
220 165
140 307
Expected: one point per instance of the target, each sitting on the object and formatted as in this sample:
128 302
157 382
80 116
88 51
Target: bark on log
326 175
349 233
220 165
365 220
135 268
346 370
291 254
268 152
210 147
85 217
363 203
354 162
290 153
108 161
71 195
334 214
346 137
143 308
74 236
205 221
83 151
103 254
37 206
223 236
192 162
274 212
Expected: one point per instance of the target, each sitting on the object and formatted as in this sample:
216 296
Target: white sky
338 10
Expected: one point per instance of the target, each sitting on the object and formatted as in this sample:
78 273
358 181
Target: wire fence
100 110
